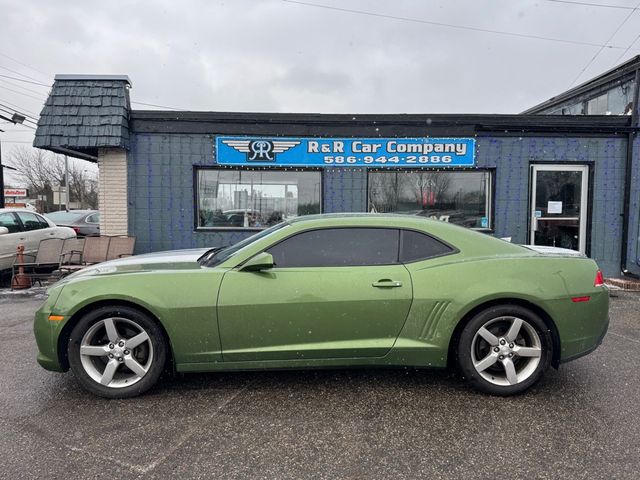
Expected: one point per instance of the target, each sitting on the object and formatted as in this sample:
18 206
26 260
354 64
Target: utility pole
15 118
66 182
1 177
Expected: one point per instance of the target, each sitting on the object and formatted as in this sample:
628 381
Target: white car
21 226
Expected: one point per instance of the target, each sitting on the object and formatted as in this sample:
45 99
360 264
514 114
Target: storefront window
255 198
459 197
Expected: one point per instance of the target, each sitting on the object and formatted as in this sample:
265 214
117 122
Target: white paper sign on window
554 207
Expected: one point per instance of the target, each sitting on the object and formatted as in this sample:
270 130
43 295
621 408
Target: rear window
63 217
418 246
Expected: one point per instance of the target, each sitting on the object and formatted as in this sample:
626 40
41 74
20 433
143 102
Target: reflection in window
457 197
255 198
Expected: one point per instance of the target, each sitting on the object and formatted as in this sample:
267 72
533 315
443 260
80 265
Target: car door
9 241
333 293
35 229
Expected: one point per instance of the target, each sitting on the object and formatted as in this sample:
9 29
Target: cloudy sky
351 56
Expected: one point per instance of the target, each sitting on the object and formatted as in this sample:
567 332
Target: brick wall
112 193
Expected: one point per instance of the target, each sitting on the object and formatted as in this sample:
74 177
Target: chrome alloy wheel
116 352
506 350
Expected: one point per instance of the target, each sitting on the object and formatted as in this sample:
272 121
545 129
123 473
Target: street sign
16 192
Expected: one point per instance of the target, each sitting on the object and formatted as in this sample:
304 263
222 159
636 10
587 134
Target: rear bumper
575 356
583 326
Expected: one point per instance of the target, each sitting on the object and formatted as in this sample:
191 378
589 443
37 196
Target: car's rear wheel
504 350
117 352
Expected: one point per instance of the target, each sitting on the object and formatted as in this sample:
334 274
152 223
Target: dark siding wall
512 156
633 246
161 194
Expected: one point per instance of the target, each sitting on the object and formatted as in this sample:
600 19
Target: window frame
17 220
196 193
453 249
39 218
489 201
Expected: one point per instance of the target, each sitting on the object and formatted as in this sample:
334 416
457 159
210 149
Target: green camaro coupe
328 291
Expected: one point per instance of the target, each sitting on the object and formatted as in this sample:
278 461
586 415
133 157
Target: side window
338 247
30 221
43 222
10 221
418 246
95 218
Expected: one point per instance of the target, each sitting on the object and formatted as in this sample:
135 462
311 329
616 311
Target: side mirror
262 261
4 230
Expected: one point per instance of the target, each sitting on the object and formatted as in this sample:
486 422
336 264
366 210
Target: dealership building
564 173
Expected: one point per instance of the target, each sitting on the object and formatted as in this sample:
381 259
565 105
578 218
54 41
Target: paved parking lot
580 422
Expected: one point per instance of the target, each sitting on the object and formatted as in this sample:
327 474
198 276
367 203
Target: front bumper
47 333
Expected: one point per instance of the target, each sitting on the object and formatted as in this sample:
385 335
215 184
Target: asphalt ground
582 421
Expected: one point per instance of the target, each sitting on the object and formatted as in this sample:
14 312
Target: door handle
386 283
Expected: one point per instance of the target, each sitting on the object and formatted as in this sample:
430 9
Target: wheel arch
65 333
466 318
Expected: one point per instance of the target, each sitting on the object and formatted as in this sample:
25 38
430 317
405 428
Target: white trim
584 185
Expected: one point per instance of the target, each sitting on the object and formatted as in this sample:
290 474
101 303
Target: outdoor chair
94 251
47 258
120 247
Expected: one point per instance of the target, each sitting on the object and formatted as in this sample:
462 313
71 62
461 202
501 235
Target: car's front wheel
117 351
504 350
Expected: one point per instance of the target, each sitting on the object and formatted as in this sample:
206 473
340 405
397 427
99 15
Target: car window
338 247
64 218
95 218
10 221
418 246
30 221
43 221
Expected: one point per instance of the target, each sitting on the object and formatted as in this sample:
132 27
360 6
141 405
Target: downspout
626 215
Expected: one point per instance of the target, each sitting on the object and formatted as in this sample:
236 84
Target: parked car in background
84 222
21 226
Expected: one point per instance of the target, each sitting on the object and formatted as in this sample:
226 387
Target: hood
554 251
169 260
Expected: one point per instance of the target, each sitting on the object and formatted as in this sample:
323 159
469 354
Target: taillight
76 229
599 281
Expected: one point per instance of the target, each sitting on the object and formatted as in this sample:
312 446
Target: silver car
21 226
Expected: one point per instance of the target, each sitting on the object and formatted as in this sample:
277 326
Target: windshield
64 217
217 256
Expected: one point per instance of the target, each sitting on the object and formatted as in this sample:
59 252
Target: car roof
4 210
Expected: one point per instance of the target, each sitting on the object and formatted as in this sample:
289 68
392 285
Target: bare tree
43 171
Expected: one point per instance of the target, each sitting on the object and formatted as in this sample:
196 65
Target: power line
450 25
159 106
19 109
602 48
25 81
23 64
10 111
627 49
19 73
603 5
19 86
25 94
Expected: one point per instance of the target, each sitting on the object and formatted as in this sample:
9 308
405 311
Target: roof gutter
626 215
74 153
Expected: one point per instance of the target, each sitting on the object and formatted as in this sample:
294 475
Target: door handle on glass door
386 283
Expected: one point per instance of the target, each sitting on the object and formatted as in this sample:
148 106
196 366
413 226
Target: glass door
559 206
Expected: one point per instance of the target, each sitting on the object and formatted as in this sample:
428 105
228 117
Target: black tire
156 339
466 344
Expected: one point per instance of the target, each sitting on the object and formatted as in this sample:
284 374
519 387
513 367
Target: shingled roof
84 113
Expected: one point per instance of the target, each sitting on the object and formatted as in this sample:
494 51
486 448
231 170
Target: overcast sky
283 56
